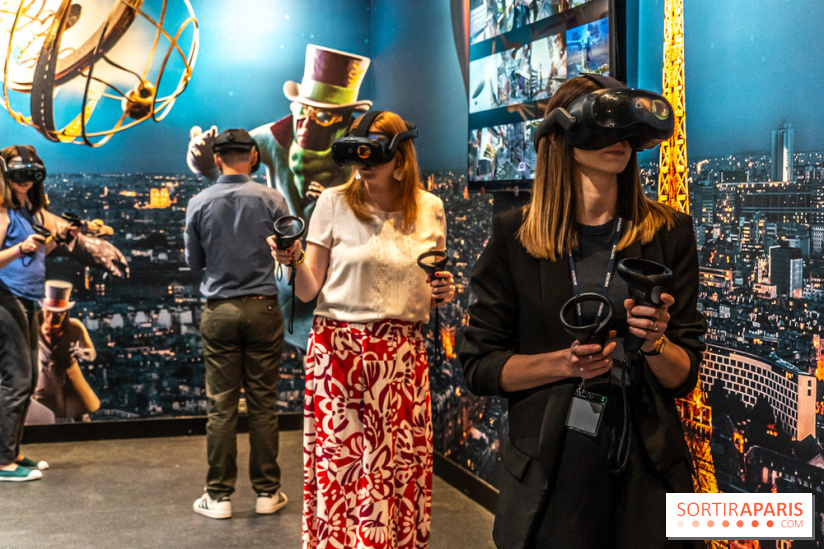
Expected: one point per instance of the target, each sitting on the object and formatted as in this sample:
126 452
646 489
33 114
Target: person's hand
200 157
314 190
649 323
90 250
443 287
68 232
80 354
287 256
33 243
590 360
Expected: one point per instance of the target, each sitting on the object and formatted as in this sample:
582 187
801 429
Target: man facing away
241 325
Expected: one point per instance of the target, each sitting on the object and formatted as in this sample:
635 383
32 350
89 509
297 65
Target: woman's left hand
443 287
68 232
648 323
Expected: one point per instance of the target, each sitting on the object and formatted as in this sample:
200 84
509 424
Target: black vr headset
356 148
238 140
610 115
28 168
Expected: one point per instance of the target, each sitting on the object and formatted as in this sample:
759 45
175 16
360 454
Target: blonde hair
406 190
549 229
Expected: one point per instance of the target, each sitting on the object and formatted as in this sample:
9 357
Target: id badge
585 412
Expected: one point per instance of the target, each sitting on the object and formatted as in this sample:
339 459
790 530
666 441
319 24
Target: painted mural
756 164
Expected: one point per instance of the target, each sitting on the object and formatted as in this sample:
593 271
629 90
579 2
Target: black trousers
592 508
18 370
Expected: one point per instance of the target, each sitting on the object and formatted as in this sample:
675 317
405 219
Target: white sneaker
216 509
267 503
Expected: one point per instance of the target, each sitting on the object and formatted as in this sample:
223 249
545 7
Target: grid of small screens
520 52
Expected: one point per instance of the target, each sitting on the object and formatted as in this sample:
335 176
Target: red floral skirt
367 444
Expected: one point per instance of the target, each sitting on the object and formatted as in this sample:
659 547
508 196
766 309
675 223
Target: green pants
242 345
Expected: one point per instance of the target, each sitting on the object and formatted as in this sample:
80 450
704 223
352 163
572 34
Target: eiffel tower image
696 415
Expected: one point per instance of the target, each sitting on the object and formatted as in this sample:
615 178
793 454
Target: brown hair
406 191
549 229
36 194
6 196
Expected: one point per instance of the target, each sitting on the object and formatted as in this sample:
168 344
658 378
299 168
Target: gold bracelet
301 259
658 349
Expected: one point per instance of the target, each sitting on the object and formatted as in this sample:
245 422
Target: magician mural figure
296 149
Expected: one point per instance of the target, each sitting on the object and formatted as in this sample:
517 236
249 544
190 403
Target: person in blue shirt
241 324
22 281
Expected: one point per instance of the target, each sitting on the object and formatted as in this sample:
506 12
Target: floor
138 493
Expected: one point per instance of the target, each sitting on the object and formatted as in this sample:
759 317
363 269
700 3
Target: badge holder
586 411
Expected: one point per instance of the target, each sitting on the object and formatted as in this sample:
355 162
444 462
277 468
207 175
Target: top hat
233 139
57 296
331 80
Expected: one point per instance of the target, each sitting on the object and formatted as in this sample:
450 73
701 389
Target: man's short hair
234 156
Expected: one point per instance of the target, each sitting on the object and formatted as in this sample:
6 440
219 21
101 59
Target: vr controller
432 262
94 228
288 229
647 280
594 328
611 115
356 148
42 231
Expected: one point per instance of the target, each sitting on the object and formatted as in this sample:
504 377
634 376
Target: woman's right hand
33 243
287 256
590 360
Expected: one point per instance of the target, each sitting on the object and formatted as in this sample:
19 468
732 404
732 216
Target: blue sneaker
21 474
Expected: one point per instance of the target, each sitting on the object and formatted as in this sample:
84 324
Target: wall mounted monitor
520 53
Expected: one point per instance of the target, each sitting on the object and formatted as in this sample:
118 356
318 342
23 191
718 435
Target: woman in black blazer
561 487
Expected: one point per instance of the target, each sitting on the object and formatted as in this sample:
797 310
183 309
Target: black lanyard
610 266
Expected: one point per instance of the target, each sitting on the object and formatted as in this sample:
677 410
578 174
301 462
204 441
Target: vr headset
610 115
356 148
238 140
28 168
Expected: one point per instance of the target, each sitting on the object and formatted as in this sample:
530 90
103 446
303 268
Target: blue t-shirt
25 276
226 229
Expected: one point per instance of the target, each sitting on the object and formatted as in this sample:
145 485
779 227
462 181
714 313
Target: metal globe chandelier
123 61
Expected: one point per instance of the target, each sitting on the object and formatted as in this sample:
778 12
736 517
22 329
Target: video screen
502 153
588 49
491 18
520 53
529 73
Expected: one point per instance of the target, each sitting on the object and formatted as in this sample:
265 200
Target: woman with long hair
368 429
22 282
595 441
